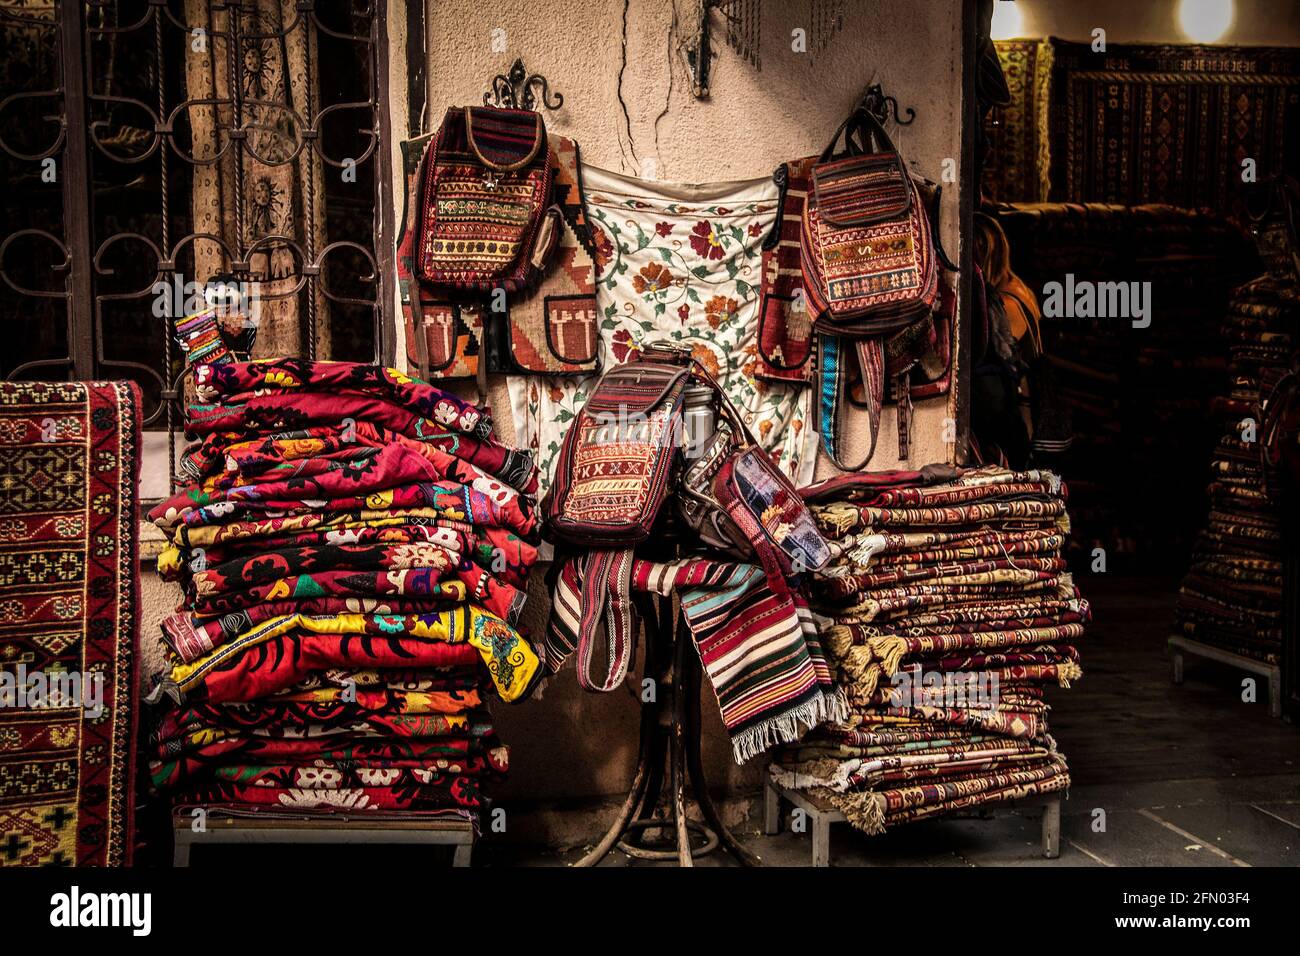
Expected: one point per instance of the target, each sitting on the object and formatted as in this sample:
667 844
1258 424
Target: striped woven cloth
759 649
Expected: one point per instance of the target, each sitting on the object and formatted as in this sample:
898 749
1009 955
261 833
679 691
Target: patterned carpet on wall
1170 123
1019 160
1141 123
69 470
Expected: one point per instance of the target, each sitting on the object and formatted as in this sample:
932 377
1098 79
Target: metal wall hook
521 90
882 107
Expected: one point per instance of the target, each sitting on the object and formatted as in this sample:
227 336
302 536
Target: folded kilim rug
945 612
69 470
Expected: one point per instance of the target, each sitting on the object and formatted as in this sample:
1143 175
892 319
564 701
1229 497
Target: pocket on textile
453 336
785 337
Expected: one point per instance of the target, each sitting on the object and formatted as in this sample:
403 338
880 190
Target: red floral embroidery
604 252
705 241
663 228
754 229
621 345
683 312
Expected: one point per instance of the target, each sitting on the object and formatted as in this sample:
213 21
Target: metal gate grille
149 146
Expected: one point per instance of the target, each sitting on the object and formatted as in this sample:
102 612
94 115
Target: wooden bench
1180 646
230 824
822 814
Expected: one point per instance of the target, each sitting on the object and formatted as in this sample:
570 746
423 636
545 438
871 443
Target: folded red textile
440 791
220 452
266 414
329 775
191 636
449 498
434 584
295 376
272 665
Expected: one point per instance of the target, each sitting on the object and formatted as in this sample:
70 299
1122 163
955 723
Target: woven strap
606 578
745 521
903 396
833 365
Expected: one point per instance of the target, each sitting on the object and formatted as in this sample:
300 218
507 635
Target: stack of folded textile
1232 595
947 610
353 552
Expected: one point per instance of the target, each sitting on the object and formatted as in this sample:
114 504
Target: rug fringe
789 726
838 517
889 649
865 810
1067 672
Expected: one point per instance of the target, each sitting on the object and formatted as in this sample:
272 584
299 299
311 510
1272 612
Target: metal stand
669 753
1180 646
821 815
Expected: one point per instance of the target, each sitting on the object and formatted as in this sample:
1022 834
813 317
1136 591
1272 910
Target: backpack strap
833 358
606 582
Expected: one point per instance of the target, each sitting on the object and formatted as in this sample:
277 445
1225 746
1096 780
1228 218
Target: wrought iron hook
520 89
881 106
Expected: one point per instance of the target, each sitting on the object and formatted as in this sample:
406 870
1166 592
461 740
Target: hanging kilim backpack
870 272
486 186
617 466
495 259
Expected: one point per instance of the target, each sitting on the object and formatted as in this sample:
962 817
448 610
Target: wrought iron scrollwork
521 90
76 98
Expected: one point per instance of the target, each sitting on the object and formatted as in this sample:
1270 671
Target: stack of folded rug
947 610
353 552
1232 595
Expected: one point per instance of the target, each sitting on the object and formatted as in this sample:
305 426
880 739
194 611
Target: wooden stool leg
462 856
821 840
181 848
1275 692
1052 828
1178 667
771 809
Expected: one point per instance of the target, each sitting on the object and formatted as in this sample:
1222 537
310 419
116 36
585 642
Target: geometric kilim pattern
69 470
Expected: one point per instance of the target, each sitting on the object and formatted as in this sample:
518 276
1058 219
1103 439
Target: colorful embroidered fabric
69 571
682 264
946 610
352 553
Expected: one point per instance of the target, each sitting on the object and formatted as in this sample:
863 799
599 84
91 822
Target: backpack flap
861 190
504 140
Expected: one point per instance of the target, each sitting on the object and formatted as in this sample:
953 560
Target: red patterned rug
69 470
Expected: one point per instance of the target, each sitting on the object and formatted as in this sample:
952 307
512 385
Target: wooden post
771 809
1052 828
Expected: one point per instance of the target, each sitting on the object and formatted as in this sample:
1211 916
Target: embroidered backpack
495 259
871 280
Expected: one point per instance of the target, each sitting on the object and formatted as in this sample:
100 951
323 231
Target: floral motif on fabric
679 264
